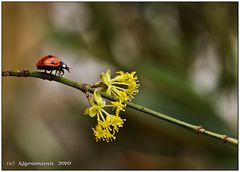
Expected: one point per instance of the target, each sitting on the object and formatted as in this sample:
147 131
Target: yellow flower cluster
123 87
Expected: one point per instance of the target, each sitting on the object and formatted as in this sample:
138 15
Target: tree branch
86 88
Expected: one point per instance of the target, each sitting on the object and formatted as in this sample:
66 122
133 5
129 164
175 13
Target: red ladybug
51 63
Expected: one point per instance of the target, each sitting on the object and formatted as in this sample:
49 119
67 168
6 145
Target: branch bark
86 88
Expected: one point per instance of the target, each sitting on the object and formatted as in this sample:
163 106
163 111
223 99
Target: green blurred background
185 55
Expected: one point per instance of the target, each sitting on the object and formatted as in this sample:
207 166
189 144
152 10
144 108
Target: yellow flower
124 86
107 124
105 130
99 133
102 131
97 103
106 77
115 122
119 106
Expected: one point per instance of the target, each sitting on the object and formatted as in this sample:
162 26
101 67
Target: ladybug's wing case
48 62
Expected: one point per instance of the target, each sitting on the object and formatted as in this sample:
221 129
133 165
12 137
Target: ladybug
51 63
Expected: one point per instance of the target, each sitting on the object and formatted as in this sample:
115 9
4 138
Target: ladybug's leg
50 72
56 72
45 71
62 72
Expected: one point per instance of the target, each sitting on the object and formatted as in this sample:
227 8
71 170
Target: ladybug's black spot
52 62
50 56
42 61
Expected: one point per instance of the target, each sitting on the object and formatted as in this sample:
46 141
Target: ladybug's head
64 66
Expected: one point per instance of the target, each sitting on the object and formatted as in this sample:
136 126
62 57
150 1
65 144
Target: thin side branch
86 88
